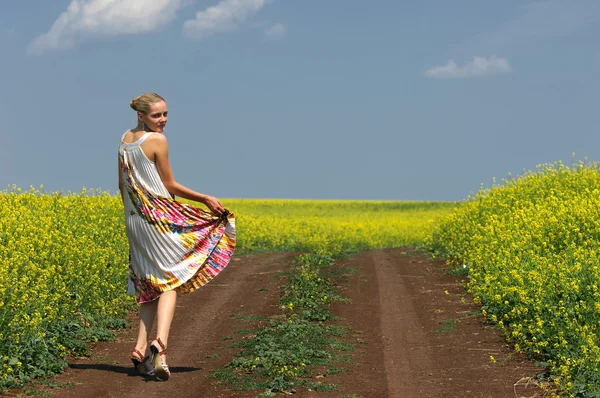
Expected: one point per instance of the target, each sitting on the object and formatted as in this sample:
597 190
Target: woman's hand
214 205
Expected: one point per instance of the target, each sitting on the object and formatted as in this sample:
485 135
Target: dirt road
413 336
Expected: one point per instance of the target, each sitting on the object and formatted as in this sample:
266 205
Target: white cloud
276 31
479 66
92 19
223 17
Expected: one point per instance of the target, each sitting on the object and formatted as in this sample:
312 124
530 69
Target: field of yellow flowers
63 261
531 246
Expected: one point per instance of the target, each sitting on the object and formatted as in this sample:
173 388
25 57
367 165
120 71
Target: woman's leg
165 311
147 314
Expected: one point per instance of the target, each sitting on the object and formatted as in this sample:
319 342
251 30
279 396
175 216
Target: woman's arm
120 178
161 159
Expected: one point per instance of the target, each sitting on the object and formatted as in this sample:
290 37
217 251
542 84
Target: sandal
161 370
141 363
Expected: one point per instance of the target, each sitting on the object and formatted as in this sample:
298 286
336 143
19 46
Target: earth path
412 339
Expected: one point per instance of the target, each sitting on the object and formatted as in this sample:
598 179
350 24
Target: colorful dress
172 245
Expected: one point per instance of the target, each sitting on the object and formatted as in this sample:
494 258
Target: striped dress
172 245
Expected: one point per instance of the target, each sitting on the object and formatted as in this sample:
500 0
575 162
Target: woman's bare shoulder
157 137
156 141
126 137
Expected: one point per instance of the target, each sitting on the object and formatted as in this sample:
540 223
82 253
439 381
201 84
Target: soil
413 336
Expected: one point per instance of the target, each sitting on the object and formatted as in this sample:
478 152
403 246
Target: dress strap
138 142
143 138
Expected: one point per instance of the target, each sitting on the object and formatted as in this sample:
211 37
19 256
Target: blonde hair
143 102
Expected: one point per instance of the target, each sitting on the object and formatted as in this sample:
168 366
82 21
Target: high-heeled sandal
161 370
141 363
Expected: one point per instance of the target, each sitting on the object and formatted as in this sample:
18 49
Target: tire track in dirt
198 339
411 338
419 341
402 329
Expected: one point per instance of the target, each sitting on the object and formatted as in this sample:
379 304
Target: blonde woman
174 248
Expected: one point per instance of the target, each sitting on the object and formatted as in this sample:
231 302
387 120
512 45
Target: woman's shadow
128 370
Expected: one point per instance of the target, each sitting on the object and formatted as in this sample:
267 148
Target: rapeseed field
63 261
531 246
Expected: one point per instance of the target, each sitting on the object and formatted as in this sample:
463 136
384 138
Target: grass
209 356
248 317
449 325
460 270
297 344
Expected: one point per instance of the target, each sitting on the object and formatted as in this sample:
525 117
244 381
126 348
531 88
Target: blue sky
301 99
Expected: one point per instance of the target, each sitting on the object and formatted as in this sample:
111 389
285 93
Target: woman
173 247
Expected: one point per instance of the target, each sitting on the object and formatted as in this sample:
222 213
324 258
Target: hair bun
133 104
143 102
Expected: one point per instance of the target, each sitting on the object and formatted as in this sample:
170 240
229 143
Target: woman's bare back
148 146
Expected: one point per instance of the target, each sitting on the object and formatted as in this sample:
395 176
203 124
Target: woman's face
156 118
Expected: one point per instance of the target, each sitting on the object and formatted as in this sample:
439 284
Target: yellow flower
533 252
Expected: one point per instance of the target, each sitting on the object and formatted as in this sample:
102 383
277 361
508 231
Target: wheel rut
415 333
